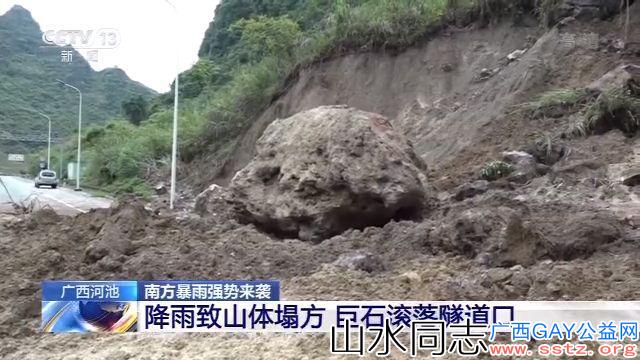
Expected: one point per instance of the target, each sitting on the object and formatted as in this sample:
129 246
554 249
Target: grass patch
385 23
555 103
495 170
613 109
134 186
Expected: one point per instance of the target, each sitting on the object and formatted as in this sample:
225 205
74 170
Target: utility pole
79 132
60 173
174 144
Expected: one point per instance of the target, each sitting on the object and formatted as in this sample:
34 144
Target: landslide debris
326 170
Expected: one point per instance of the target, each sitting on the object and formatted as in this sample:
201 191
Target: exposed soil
573 234
543 241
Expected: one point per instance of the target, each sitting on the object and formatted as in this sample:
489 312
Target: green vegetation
555 103
136 109
389 23
263 36
129 186
250 51
599 112
495 170
204 73
613 109
325 28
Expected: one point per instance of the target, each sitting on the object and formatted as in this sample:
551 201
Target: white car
48 178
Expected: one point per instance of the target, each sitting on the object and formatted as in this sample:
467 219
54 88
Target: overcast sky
147 30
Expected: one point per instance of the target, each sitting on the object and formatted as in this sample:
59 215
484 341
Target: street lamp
49 137
174 145
79 131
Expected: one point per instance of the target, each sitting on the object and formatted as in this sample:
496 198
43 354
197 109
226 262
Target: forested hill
28 73
221 38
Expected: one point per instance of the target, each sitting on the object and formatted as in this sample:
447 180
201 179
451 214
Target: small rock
94 252
483 259
109 264
215 203
516 268
499 274
554 288
632 220
411 277
521 283
525 166
469 190
366 262
517 54
160 189
630 176
485 281
447 67
618 44
618 278
566 21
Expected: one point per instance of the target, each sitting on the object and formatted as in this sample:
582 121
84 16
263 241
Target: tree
266 36
202 74
135 109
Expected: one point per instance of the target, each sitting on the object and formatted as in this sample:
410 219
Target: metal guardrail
7 136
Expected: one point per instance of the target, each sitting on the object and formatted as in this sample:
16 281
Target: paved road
64 201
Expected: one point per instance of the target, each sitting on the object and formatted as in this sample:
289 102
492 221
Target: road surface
64 201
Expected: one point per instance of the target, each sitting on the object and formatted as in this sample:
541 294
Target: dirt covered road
439 258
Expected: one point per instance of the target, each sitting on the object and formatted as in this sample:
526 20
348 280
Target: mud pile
508 237
541 241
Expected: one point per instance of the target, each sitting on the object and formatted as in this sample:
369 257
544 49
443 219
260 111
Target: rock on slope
326 170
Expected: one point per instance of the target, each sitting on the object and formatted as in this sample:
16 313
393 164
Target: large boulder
327 170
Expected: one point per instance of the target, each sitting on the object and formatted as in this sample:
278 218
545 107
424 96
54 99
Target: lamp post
174 144
49 136
79 131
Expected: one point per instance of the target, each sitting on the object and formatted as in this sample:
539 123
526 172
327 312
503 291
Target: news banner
356 328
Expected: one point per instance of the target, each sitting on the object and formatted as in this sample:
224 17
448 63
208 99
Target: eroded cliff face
453 96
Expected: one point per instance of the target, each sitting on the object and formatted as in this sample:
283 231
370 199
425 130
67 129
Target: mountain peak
19 18
18 11
28 69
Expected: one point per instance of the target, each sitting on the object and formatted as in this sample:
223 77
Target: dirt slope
435 93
